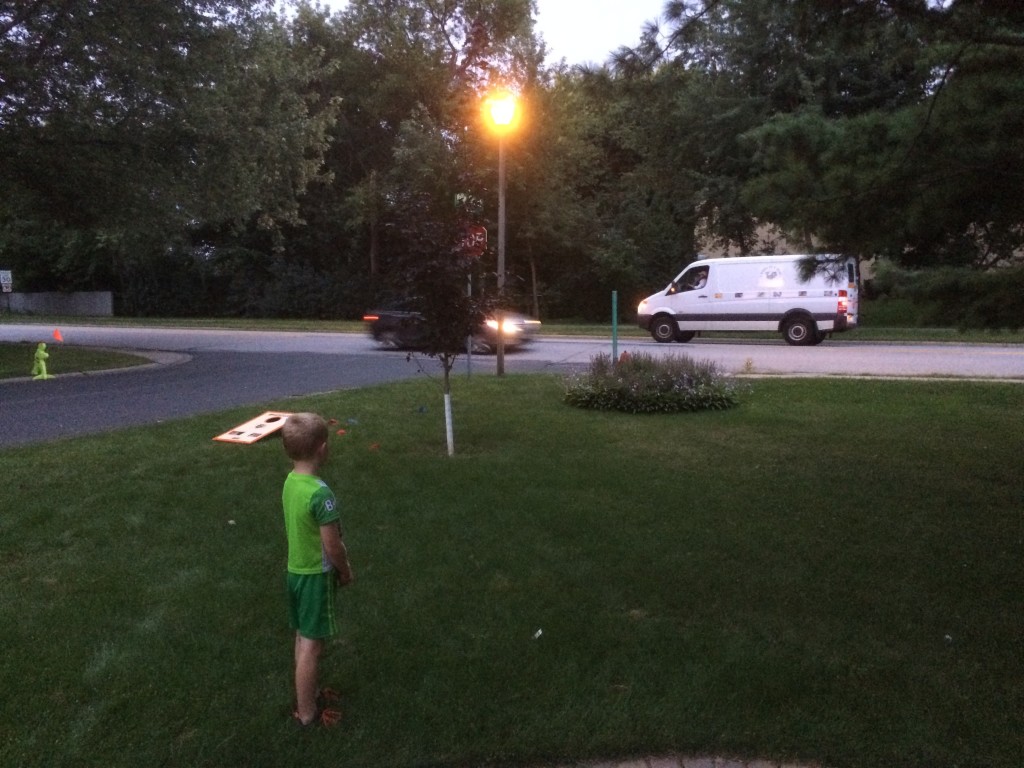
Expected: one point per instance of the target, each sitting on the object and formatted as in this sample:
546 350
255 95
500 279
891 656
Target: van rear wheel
800 331
663 329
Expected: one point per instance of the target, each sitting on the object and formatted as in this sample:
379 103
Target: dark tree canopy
879 128
123 122
283 164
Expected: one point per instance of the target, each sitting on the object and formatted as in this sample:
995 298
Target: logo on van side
771 277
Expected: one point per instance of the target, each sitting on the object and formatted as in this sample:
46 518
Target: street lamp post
501 109
501 256
501 213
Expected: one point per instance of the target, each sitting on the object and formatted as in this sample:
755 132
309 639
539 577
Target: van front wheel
663 329
800 331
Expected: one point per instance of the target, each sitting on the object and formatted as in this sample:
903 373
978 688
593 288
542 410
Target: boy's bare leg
307 657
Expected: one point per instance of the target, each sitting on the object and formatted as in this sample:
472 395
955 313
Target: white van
755 293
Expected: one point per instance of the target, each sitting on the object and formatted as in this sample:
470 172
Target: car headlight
508 327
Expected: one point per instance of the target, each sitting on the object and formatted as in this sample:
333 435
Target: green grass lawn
829 572
17 359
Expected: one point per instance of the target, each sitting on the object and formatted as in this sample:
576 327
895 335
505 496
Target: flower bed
641 383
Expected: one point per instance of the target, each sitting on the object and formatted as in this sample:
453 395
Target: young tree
426 64
435 268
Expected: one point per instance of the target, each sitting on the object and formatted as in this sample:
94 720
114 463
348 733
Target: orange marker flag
57 335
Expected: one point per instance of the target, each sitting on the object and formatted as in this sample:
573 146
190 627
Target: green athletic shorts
311 604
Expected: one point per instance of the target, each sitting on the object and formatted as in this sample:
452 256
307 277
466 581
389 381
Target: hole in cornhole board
255 429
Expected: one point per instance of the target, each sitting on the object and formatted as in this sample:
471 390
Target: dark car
404 329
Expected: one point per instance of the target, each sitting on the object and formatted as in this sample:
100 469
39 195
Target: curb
684 762
159 360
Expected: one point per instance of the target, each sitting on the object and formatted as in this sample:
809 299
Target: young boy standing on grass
317 558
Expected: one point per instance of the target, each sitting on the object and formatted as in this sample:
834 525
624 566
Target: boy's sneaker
322 717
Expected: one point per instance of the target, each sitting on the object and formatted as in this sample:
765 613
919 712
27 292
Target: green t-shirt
308 504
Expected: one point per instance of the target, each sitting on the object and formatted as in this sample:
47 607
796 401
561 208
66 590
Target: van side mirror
673 287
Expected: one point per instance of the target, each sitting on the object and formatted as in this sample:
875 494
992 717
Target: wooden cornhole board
255 429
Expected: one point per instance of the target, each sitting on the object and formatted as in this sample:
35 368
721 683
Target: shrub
641 383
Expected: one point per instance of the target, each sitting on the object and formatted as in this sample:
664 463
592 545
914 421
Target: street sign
6 280
474 241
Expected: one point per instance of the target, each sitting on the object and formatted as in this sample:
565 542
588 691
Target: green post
615 326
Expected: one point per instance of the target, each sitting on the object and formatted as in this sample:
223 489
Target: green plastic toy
39 366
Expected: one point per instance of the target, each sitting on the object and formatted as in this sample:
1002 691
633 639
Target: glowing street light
502 111
501 108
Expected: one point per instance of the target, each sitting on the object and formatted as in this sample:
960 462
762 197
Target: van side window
696 280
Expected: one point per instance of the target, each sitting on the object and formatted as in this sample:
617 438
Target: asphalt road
201 371
36 411
194 372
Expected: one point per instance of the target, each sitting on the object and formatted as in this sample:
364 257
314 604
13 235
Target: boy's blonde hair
302 435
